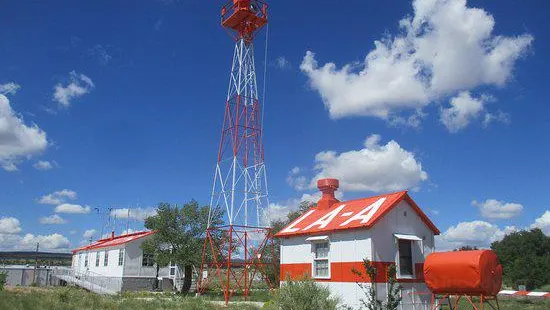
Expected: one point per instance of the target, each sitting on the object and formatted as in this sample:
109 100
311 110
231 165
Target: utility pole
35 263
128 222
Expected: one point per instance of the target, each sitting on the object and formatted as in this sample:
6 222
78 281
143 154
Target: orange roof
359 213
114 241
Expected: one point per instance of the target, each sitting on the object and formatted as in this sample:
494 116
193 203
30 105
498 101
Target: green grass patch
65 298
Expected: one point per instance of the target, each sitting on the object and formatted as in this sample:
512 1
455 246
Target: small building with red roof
333 237
119 263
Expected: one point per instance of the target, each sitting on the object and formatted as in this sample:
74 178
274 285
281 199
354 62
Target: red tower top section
244 17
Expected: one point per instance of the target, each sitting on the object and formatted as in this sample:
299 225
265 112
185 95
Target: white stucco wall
377 244
132 262
111 270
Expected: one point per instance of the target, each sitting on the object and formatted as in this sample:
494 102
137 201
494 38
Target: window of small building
120 257
97 259
86 260
405 258
106 258
320 261
148 260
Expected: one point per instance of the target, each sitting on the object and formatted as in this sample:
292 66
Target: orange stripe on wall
341 272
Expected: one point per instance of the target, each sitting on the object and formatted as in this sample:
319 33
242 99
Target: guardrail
95 279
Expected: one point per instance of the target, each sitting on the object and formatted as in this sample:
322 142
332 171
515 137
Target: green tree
525 258
179 236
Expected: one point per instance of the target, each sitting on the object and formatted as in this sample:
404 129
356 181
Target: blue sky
106 104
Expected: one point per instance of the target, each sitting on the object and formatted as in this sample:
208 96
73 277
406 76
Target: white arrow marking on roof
291 229
371 209
326 219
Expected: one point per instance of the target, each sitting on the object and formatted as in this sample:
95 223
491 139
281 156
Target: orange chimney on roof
327 187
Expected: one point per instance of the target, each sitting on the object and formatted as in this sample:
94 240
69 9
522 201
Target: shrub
393 297
3 279
304 294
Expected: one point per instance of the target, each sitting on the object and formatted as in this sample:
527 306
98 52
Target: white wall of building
131 263
377 244
134 260
111 270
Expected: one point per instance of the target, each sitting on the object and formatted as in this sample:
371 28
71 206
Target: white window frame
412 239
316 240
121 254
86 260
97 259
106 258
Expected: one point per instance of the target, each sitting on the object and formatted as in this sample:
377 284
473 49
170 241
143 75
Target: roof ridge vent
327 187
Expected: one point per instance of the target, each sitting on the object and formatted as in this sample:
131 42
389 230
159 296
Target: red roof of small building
359 213
114 241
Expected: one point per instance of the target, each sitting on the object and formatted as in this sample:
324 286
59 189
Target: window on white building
148 260
120 257
86 260
320 260
405 258
97 259
106 258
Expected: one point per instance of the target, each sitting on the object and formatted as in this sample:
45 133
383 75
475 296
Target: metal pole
35 263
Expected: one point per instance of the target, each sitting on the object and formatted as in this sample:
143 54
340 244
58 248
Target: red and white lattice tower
234 254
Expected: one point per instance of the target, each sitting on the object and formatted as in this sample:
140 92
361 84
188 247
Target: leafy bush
393 297
304 294
3 279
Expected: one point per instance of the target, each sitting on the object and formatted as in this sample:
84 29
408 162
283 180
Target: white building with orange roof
119 264
332 238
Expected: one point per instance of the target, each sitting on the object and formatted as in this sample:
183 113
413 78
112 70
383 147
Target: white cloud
58 197
43 165
101 54
80 85
464 108
499 116
297 181
72 209
51 242
89 233
543 223
10 88
445 47
17 140
494 209
28 242
376 167
134 213
128 231
482 234
282 63
52 220
9 225
476 233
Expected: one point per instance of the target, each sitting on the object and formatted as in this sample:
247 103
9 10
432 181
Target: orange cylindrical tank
476 272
